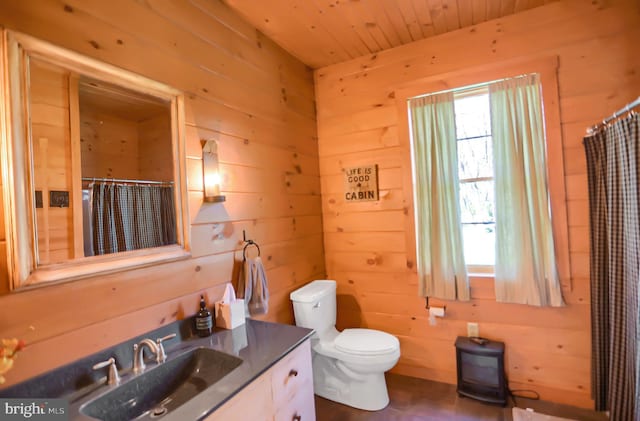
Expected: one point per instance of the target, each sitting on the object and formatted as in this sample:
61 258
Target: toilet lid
366 342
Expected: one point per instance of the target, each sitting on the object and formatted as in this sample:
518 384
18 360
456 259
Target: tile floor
414 399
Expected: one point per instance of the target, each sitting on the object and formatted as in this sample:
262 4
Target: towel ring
244 250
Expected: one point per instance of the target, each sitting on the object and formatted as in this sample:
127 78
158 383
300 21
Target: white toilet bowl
348 366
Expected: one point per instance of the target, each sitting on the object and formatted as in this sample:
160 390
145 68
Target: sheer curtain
441 266
131 217
613 154
525 267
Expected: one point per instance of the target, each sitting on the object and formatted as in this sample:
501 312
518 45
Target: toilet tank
314 305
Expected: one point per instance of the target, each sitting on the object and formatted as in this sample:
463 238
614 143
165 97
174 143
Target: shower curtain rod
122 180
615 115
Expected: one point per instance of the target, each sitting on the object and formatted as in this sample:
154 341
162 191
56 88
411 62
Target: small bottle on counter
204 322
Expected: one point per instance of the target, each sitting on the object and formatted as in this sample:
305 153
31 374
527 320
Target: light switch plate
473 329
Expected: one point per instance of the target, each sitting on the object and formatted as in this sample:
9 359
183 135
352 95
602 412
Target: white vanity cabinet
292 386
283 393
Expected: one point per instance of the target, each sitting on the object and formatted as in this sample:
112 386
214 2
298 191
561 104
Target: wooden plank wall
49 105
242 90
114 147
154 139
365 243
110 145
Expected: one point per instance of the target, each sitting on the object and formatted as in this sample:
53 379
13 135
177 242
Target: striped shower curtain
612 165
131 217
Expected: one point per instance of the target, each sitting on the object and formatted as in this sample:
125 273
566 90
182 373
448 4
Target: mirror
97 158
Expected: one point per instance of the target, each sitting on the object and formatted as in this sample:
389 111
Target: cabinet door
300 408
253 403
292 383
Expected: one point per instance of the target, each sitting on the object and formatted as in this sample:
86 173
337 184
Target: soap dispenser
204 322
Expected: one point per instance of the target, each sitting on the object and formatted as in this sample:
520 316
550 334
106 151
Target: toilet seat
366 342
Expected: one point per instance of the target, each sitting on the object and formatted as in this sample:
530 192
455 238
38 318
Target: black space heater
481 370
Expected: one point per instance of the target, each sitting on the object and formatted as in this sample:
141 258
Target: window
481 198
475 174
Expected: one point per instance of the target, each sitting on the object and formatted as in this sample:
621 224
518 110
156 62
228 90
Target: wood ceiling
324 32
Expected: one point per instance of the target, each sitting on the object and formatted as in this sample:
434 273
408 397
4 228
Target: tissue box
229 314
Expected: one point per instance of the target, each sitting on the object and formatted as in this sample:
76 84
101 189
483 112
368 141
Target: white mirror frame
17 165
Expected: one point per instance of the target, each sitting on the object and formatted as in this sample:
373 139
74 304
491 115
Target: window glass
475 173
476 202
475 157
479 244
473 116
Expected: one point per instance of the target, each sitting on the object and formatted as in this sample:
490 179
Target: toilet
348 366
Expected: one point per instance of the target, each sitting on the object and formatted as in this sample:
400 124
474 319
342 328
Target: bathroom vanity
270 378
283 393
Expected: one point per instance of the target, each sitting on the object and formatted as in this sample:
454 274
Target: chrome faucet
138 354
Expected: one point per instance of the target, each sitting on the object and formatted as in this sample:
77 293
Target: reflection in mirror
121 198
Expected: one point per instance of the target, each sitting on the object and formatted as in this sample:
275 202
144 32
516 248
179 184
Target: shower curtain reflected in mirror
125 217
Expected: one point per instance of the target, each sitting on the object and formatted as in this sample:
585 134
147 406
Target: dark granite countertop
259 344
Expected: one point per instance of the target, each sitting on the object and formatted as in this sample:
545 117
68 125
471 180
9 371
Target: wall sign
361 183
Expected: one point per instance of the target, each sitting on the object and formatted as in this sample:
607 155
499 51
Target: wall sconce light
211 173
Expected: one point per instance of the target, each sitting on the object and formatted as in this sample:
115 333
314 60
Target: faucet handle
165 338
161 356
113 376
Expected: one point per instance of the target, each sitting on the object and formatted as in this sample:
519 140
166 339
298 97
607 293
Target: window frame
547 68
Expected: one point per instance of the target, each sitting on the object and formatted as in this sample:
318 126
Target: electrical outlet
473 329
